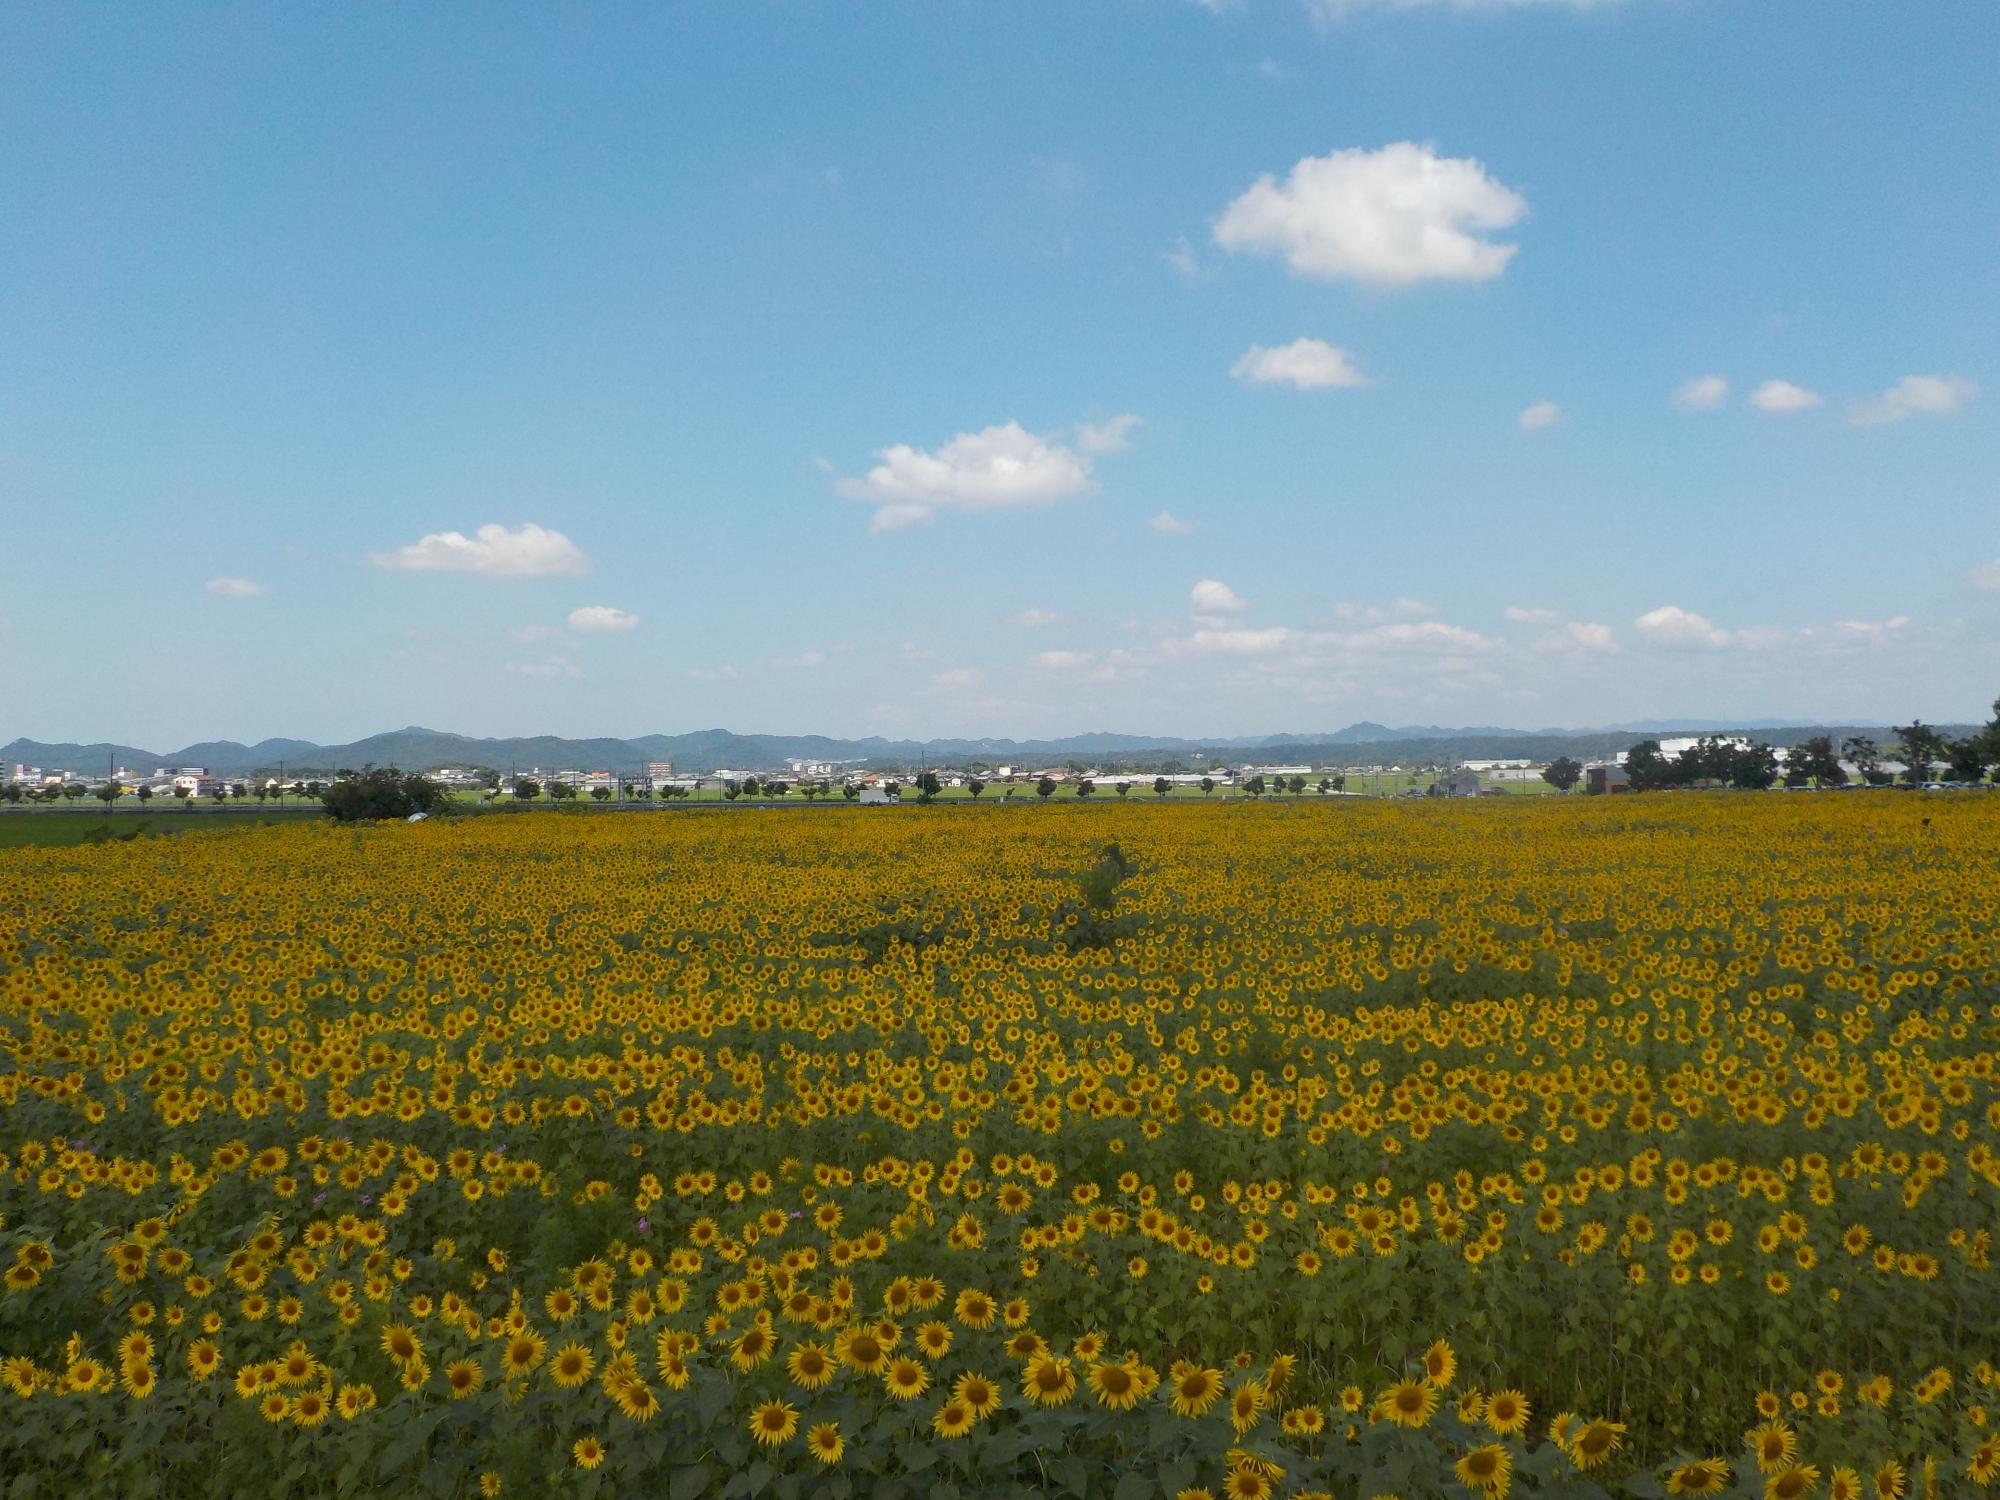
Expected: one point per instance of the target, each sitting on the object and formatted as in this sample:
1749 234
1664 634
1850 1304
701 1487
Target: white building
1673 747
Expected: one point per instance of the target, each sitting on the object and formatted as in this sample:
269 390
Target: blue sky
985 369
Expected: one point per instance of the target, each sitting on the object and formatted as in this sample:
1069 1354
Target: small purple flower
644 1225
318 1198
366 1199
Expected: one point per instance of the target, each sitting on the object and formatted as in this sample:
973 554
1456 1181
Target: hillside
417 748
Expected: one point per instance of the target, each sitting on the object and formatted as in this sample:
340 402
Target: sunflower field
1621 1146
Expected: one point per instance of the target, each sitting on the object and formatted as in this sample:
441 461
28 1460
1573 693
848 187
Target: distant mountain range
714 749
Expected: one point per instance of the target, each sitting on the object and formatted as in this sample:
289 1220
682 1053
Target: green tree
1965 759
731 791
1814 762
1160 786
527 789
145 794
377 792
1753 768
1045 787
1867 758
1207 785
1123 787
1085 787
1707 759
974 786
1562 773
561 791
1922 748
849 790
1646 769
928 786
108 793
1254 786
600 794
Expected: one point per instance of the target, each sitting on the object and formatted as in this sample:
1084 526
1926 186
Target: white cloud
1420 633
1930 395
1063 661
1170 524
1670 625
1214 638
899 517
1304 364
1521 616
234 588
956 679
1037 617
599 619
1580 636
1541 414
1113 436
1703 393
1182 257
1389 218
1370 614
530 551
1987 575
547 667
1211 597
1782 398
529 634
997 468
723 673
1240 641
1870 630
802 660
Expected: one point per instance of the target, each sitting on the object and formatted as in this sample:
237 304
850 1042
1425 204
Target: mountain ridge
417 748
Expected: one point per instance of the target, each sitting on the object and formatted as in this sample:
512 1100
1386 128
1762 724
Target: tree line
1818 762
